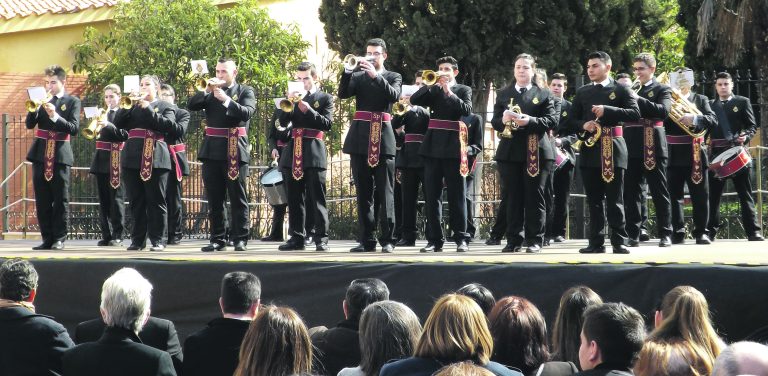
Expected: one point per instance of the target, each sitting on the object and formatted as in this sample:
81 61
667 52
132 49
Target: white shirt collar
59 94
649 82
604 82
527 87
313 89
729 98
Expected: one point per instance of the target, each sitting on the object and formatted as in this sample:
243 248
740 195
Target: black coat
681 154
542 108
566 134
415 366
739 115
68 108
100 163
440 143
214 351
31 344
319 116
476 130
119 352
654 101
606 370
159 117
176 136
337 348
415 121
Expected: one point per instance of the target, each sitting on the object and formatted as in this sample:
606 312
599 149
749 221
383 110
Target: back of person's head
456 330
361 293
618 332
388 330
742 358
125 300
276 344
519 334
463 369
676 357
685 315
18 280
568 322
239 291
480 294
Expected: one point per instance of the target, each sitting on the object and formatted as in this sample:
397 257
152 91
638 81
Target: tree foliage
668 43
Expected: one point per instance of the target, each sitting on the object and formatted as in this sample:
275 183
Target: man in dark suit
179 166
106 168
647 153
604 104
125 304
563 176
215 349
736 126
51 157
476 129
525 158
370 143
228 109
304 161
444 152
611 337
31 343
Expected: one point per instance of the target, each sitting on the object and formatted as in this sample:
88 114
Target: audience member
742 358
675 357
455 331
611 338
276 344
215 349
463 369
125 307
388 330
568 322
519 334
480 294
339 347
30 343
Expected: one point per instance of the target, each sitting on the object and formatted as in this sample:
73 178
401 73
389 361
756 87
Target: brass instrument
589 139
281 128
510 126
636 85
430 77
401 107
352 62
32 106
681 106
94 127
287 104
202 83
126 102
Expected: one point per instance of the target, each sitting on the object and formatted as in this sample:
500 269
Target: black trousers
398 196
52 202
146 201
278 218
435 172
412 181
526 205
561 197
679 176
307 195
382 178
470 190
743 187
217 187
175 207
602 196
111 208
659 190
499 228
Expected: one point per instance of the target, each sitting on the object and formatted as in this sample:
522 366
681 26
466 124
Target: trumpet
287 104
202 83
430 77
510 126
33 105
94 127
401 107
352 62
636 85
126 102
589 139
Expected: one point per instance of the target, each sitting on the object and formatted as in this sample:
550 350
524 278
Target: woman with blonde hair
455 331
566 331
276 344
676 357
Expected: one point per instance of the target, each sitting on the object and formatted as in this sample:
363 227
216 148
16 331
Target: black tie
111 116
723 102
523 90
599 86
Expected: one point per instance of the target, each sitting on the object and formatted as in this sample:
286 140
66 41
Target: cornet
32 106
126 102
352 62
510 125
202 83
401 107
430 77
94 127
287 104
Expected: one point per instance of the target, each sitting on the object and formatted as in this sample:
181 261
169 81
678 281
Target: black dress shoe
387 248
157 248
756 237
703 239
633 243
644 237
115 243
173 242
322 247
42 246
240 246
559 239
493 241
308 241
135 247
214 247
57 245
361 248
545 243
230 243
678 238
512 248
103 243
665 241
432 247
405 243
712 235
462 246
593 249
533 248
272 238
620 249
292 245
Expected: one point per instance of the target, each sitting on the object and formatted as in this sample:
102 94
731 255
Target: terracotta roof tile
23 8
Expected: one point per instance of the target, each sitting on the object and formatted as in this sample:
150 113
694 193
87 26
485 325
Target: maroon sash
376 120
297 169
114 149
50 149
532 159
148 151
606 152
173 149
233 153
414 137
649 149
450 125
697 173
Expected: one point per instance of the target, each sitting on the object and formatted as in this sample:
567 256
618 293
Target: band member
525 159
736 126
278 134
304 161
604 104
106 168
179 166
444 152
563 176
647 153
224 153
146 162
687 165
370 142
626 80
474 148
51 157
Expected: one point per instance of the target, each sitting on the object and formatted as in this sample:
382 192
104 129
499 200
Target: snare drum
561 158
730 162
272 181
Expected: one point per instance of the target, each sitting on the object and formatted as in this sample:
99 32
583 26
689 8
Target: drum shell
276 194
730 162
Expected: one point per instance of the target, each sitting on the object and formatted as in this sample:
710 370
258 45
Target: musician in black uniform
228 109
445 153
304 161
606 104
278 134
685 167
370 142
51 157
475 147
525 160
562 177
110 189
736 126
179 166
146 162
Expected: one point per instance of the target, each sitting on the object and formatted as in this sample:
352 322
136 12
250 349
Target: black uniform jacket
176 136
237 114
542 108
282 119
375 95
414 121
682 154
654 101
440 143
476 130
100 163
319 116
566 134
160 117
68 108
740 118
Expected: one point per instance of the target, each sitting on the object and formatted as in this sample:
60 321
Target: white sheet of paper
408 90
676 77
295 86
131 83
91 112
36 93
199 66
277 102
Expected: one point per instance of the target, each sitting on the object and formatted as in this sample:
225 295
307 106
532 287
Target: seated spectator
276 344
568 322
480 294
339 347
30 343
519 334
215 349
742 358
676 357
388 330
125 306
455 331
611 338
463 369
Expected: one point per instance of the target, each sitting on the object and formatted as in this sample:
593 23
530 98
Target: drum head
271 177
727 155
